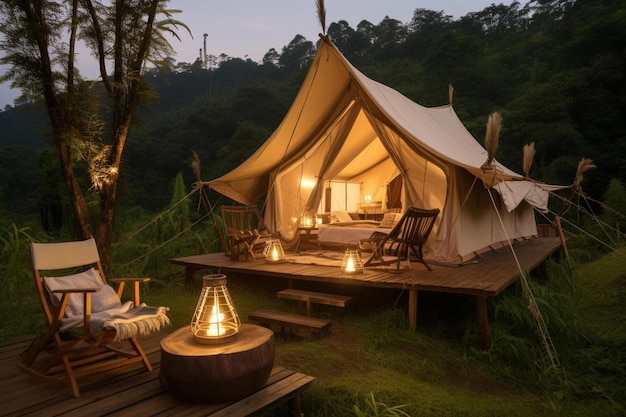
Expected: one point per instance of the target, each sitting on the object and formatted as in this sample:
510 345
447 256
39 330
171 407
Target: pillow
341 216
105 299
354 216
390 220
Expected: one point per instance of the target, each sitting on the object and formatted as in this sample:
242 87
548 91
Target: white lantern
215 319
352 262
273 251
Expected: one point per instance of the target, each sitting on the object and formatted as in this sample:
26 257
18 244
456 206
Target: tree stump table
219 373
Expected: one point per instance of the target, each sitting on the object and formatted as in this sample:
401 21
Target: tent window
341 196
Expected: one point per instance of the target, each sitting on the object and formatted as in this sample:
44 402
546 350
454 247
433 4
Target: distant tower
205 60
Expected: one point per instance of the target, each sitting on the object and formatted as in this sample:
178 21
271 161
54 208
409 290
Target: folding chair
245 231
85 316
406 239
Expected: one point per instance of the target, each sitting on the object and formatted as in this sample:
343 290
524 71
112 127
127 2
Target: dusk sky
249 28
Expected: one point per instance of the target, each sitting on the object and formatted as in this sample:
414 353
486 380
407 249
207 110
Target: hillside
554 72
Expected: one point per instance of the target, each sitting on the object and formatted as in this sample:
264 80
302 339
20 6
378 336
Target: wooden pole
483 321
412 310
557 223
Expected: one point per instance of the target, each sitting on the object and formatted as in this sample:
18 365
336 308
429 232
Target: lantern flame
215 323
350 265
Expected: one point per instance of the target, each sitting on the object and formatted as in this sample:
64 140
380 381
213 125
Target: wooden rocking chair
245 231
405 239
87 323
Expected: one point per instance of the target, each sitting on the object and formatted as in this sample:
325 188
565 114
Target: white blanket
108 312
348 234
126 320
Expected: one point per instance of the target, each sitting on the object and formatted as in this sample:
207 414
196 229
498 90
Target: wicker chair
405 240
245 231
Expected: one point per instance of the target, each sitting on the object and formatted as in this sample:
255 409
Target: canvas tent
346 128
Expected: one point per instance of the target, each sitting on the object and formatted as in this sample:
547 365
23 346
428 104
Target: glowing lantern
273 251
352 262
215 319
308 219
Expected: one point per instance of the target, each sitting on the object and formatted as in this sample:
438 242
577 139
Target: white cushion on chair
105 299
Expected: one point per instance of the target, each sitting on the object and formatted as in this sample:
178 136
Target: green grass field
439 370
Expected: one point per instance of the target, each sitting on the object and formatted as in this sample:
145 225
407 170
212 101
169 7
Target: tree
425 27
389 34
179 215
298 54
271 57
497 21
41 46
340 33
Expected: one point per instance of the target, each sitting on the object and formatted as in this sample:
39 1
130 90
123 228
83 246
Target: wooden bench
283 385
289 321
311 297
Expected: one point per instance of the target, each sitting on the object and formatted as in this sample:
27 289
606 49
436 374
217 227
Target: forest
553 69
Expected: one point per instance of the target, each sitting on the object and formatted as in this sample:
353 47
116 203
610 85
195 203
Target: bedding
350 232
339 216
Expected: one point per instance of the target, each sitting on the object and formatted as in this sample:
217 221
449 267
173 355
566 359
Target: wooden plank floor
129 391
487 277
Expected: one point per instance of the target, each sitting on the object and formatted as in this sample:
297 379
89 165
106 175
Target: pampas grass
529 155
321 14
584 165
195 166
494 125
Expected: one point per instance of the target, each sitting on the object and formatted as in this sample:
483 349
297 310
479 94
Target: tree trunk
108 200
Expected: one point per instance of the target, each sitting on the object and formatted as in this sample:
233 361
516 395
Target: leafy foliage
19 305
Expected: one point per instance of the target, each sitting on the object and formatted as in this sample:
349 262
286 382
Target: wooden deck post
412 310
189 273
294 407
483 321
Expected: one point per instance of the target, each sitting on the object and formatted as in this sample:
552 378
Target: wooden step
312 297
289 320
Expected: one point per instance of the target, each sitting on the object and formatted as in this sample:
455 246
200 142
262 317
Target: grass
435 371
601 293
371 365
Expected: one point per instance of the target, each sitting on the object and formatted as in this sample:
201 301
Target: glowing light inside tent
308 183
308 218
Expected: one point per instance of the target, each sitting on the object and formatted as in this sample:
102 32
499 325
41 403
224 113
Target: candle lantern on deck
273 251
309 218
215 319
352 262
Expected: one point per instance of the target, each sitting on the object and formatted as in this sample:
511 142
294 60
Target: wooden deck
129 391
488 277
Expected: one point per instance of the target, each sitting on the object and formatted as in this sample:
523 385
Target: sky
250 28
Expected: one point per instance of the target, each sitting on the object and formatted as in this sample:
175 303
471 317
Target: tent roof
331 88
